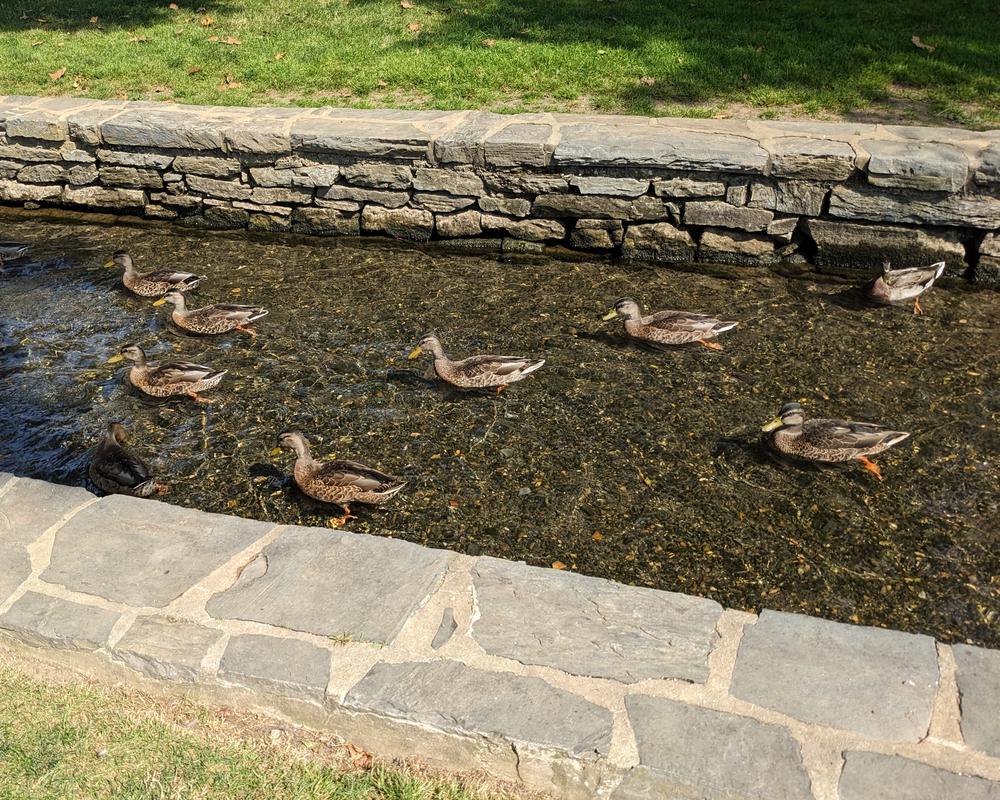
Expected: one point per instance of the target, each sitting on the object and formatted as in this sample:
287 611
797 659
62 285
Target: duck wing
119 466
501 366
350 473
172 277
914 277
180 372
236 313
686 321
835 434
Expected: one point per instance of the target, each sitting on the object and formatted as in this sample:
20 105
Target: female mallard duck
476 372
340 482
897 286
218 318
168 380
668 327
10 251
116 470
152 284
829 439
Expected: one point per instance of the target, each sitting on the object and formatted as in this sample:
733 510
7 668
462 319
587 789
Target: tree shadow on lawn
72 15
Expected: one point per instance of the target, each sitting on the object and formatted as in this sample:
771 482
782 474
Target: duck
829 440
668 327
476 372
11 251
898 286
340 482
152 284
168 380
214 319
114 469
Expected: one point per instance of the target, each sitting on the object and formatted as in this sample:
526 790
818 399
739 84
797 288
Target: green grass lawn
65 740
692 57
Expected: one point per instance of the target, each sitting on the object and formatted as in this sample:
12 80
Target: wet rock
658 242
717 213
848 244
688 751
916 165
466 223
511 245
402 223
615 187
287 667
876 682
104 198
816 159
153 211
448 181
224 217
978 679
326 221
719 246
870 775
449 696
44 621
208 166
509 206
378 176
269 222
165 649
915 208
518 144
177 200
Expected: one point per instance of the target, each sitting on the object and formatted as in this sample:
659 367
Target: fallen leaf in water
413 26
194 70
916 40
489 42
278 56
453 503
645 80
597 536
57 74
206 21
558 565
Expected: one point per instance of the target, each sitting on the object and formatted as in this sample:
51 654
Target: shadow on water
644 466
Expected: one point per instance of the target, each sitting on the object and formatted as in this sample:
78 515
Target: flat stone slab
288 667
979 686
590 626
450 696
15 566
695 752
879 683
329 582
597 143
143 552
916 165
44 621
868 776
166 649
358 137
30 507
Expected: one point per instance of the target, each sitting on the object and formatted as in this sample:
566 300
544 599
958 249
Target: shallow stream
627 463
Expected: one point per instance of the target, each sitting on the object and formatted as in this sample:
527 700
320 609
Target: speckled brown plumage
214 319
171 379
156 283
898 286
116 470
668 327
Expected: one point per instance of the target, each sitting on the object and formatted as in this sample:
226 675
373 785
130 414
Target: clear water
617 461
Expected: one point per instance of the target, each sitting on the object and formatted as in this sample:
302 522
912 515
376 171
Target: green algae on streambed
637 465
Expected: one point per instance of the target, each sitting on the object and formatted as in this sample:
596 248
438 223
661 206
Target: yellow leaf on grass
231 40
645 80
173 7
406 4
94 20
194 70
489 42
57 74
413 26
206 21
916 40
278 56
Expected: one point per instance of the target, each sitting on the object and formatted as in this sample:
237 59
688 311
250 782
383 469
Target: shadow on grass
73 15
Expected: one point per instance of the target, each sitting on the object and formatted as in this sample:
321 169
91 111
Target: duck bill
160 302
109 263
115 359
415 353
610 315
774 424
275 451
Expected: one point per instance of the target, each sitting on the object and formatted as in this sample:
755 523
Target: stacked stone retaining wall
671 190
576 686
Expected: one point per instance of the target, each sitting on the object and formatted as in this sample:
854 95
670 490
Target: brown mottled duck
340 482
668 327
214 319
899 286
829 440
476 372
116 470
152 284
168 380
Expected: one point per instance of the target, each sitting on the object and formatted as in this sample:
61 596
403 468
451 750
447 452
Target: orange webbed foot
710 345
916 306
336 522
249 331
501 387
871 466
198 398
